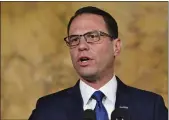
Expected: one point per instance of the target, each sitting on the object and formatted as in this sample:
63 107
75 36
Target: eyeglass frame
100 33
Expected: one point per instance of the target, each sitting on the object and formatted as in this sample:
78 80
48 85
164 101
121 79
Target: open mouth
84 59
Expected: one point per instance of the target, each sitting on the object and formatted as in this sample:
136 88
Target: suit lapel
122 95
75 104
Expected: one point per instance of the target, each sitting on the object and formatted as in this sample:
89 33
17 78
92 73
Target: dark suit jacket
68 104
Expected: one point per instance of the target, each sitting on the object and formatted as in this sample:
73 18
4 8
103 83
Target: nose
83 45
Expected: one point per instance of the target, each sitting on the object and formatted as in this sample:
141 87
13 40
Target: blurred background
35 60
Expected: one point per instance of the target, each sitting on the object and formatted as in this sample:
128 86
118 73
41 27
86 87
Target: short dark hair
111 23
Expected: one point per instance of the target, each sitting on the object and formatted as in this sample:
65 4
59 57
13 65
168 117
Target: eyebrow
84 33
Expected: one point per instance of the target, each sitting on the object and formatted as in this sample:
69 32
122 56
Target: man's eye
92 35
74 39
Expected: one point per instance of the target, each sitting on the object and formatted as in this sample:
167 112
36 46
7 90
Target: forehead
87 22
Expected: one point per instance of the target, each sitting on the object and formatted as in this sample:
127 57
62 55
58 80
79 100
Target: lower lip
84 64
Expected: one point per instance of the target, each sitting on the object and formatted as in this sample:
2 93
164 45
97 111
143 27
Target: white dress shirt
109 89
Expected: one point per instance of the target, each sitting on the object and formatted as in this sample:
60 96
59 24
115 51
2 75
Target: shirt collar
109 89
86 91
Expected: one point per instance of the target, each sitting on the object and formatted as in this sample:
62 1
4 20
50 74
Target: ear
117 46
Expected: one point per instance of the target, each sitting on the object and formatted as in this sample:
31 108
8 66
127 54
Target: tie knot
98 96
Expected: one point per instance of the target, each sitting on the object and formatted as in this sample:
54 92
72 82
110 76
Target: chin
89 77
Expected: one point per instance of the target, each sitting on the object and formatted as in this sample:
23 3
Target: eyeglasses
90 37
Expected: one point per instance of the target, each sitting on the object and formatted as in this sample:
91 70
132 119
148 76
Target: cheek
105 54
73 55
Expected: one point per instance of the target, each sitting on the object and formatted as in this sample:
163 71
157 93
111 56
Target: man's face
92 60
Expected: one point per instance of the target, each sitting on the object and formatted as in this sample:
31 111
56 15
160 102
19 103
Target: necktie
101 113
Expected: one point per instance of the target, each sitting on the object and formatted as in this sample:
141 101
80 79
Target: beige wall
35 60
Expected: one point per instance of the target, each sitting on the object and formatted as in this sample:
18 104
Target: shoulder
142 93
147 103
50 105
145 97
55 97
53 101
137 93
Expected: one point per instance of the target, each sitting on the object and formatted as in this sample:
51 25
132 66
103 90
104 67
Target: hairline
75 16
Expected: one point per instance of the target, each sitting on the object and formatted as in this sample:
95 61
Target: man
94 44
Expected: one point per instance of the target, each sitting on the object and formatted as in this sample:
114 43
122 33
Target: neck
97 84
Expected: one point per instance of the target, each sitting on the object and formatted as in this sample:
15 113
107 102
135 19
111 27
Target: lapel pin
124 107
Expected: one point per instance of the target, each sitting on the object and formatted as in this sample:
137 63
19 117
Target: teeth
84 59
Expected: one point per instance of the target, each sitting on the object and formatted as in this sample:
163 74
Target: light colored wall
35 60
